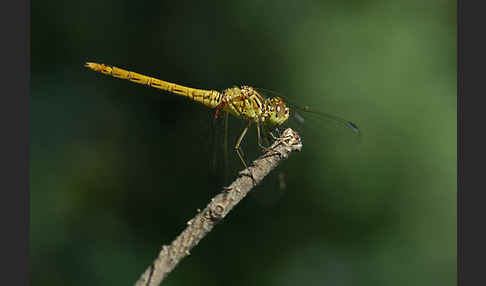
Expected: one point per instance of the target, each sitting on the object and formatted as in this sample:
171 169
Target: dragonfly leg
259 136
238 142
267 149
238 151
218 108
273 136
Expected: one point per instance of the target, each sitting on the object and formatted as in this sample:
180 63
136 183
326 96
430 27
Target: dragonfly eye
279 112
282 109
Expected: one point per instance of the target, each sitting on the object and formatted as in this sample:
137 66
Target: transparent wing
300 113
307 111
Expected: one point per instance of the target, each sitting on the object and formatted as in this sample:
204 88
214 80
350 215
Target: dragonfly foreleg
270 134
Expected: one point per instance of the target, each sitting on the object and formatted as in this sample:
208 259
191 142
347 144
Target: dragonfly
244 102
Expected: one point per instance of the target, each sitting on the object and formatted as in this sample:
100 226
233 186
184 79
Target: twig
218 208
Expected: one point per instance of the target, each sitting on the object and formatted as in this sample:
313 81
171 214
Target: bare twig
218 208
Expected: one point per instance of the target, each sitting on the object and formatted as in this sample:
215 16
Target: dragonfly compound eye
279 112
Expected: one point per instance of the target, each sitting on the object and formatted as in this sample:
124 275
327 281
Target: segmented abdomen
209 98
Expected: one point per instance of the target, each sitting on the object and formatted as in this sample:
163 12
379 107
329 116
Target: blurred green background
117 169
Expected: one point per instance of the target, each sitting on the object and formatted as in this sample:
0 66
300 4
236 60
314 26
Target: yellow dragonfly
242 102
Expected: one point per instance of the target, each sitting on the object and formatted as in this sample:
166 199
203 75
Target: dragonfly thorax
246 103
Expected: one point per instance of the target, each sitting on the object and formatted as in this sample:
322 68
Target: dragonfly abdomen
209 98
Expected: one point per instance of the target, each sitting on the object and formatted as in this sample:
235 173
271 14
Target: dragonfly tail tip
93 66
353 126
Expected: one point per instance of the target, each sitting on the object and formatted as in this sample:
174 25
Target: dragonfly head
278 111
